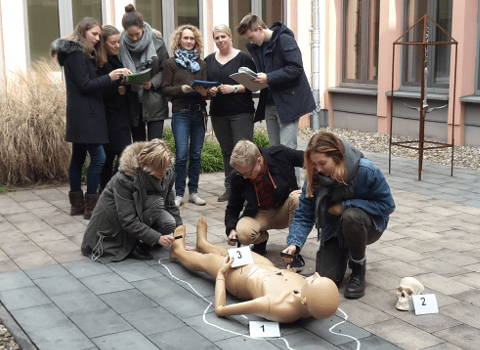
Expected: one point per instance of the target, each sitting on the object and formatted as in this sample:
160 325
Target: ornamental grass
32 128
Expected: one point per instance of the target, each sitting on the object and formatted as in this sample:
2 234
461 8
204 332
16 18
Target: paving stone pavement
52 297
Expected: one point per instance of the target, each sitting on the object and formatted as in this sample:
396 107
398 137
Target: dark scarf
329 191
156 188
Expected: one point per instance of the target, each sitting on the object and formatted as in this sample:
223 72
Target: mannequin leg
202 245
194 261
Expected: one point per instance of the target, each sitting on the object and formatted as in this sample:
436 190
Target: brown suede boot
90 203
77 202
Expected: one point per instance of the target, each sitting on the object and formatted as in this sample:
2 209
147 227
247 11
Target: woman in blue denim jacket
349 200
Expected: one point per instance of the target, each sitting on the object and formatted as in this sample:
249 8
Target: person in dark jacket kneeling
136 205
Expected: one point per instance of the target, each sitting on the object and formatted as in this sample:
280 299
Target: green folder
140 77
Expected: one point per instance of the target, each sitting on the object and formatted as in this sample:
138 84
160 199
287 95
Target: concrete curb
20 337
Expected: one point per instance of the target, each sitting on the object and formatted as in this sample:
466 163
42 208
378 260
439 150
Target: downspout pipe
315 117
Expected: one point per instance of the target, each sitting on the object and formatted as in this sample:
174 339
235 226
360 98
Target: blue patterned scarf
187 59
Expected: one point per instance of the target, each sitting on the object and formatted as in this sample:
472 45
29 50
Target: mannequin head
320 296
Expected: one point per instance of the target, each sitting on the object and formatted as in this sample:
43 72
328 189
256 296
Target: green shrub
260 138
212 159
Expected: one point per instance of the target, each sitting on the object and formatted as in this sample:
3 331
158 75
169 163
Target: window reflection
361 20
151 11
43 27
272 11
86 8
237 10
187 12
438 63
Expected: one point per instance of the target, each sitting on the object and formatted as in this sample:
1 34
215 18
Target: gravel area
6 340
464 157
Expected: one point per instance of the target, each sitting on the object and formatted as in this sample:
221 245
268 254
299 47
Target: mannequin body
276 294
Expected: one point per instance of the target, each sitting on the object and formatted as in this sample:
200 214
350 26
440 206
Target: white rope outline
344 335
247 336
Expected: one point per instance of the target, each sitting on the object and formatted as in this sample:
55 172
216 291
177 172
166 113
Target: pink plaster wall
390 31
464 31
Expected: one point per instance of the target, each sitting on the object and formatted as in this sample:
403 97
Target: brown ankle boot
77 202
356 281
90 203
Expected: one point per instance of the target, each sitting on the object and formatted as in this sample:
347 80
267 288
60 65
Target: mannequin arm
259 306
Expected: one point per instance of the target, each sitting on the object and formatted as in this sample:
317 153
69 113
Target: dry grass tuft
32 129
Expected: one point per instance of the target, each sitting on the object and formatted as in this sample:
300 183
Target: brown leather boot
90 203
356 281
77 202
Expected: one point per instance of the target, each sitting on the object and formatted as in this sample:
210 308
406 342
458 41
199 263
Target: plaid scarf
187 59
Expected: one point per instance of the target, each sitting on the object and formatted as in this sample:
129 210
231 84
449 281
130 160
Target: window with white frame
438 56
360 41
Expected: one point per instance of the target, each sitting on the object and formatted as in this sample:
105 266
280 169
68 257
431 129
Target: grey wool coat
118 219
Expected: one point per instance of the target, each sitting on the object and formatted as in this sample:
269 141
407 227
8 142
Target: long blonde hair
155 156
177 35
331 146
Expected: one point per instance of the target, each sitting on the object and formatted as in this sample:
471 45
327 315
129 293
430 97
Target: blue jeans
188 126
97 159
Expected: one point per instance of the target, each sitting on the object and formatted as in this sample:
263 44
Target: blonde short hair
177 35
222 28
245 153
155 156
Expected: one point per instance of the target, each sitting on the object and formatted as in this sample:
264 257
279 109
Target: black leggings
358 231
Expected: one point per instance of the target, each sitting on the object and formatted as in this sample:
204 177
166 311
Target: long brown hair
331 146
97 52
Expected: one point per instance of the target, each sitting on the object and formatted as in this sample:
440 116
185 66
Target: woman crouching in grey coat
136 205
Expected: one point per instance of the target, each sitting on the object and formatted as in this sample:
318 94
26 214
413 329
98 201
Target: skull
408 286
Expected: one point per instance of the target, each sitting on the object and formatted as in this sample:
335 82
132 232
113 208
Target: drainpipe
315 117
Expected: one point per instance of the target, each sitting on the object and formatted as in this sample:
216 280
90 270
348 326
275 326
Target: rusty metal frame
421 140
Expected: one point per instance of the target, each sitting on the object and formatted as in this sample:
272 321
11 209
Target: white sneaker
195 199
178 201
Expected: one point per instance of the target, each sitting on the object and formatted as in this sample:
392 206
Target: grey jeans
282 133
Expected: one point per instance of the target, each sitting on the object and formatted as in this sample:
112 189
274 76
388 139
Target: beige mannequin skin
276 294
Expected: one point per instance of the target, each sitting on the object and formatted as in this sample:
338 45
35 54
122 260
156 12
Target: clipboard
245 76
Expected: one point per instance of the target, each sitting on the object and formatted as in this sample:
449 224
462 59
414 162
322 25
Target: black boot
356 281
260 248
332 261
138 254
